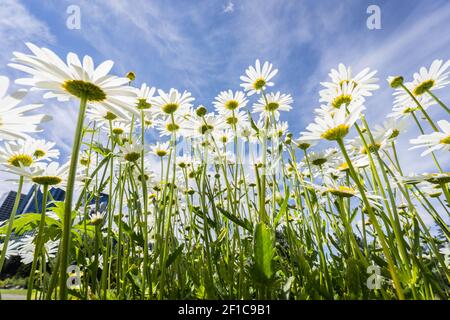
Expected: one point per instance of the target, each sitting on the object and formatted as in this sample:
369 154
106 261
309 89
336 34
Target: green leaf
283 208
252 123
173 256
244 223
264 252
29 221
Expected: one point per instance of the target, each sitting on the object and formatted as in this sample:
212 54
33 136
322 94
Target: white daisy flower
161 149
331 127
273 104
257 78
118 128
348 94
227 102
27 245
168 126
435 140
364 80
204 126
51 174
64 81
391 128
103 115
380 140
321 158
345 191
172 102
131 152
27 152
436 77
235 119
15 121
145 97
432 190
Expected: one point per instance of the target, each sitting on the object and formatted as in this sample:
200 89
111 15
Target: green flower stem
11 222
145 199
39 243
396 223
67 222
53 278
423 132
106 257
446 192
374 221
420 108
438 101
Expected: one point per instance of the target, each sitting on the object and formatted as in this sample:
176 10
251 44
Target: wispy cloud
17 25
229 7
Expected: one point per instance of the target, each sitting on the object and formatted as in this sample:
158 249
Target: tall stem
374 221
65 249
420 108
438 101
11 221
39 243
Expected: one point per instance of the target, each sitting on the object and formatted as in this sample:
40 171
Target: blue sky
204 46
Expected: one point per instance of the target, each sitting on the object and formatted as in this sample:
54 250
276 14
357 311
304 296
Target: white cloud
229 7
18 25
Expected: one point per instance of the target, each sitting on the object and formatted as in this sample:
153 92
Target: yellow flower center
446 140
170 108
47 180
161 153
143 104
342 191
439 178
39 153
80 88
272 106
259 84
132 156
232 120
340 100
117 131
304 145
20 159
206 128
423 87
372 148
171 127
336 133
110 116
319 161
231 104
343 166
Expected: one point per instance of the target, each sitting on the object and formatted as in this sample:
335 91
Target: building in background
7 204
32 201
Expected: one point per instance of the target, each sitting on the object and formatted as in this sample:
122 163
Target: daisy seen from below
160 149
228 102
257 78
130 151
145 97
434 141
347 95
364 80
172 102
436 77
15 121
272 104
331 127
24 153
74 79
